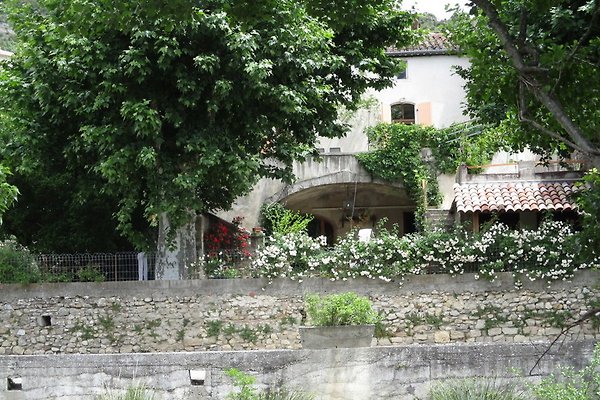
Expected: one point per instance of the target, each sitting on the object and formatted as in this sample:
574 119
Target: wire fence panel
122 266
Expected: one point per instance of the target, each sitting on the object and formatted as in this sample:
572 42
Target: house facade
336 189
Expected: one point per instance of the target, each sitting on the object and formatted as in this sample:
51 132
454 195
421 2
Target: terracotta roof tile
433 43
514 197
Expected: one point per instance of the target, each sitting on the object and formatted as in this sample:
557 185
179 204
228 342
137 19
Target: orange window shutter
424 114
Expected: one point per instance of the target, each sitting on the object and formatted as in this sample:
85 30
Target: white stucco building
336 190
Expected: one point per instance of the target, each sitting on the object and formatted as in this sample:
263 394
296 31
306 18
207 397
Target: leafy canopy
182 106
535 69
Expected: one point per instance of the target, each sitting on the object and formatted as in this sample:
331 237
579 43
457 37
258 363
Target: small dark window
335 149
197 377
46 320
403 113
410 222
15 383
402 75
508 218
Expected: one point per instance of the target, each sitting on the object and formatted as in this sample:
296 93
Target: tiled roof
515 196
432 44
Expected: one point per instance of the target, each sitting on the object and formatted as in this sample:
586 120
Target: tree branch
536 125
551 103
595 312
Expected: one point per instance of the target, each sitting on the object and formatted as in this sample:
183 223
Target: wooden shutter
424 114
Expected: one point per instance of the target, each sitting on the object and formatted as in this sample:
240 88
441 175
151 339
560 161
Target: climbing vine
397 156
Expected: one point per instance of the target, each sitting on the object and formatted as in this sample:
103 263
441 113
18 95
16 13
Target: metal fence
122 266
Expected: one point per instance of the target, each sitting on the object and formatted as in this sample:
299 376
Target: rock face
140 317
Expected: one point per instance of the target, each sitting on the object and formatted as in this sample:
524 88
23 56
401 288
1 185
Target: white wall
429 79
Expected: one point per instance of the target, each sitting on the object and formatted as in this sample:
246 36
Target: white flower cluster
549 253
293 255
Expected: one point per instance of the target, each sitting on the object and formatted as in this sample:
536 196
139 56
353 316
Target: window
403 113
402 75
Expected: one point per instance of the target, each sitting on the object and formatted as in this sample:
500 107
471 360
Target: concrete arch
336 178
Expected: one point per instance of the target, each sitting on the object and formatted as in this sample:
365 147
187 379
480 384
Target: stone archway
353 204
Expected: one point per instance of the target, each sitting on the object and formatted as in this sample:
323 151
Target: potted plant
339 320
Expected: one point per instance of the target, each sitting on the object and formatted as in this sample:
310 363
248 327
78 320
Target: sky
436 7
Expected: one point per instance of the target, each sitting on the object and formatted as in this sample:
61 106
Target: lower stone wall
376 373
221 315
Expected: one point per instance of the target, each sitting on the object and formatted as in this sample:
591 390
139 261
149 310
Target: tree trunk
176 259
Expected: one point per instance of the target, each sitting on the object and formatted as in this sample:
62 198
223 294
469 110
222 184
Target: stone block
441 337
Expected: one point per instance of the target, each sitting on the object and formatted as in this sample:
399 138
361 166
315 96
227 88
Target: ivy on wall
397 156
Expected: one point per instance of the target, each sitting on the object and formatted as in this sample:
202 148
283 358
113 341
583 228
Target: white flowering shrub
381 257
292 255
552 252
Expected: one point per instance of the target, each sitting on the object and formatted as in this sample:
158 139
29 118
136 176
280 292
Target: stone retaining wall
171 316
376 373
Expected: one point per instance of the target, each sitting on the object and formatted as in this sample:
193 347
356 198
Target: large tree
535 68
179 107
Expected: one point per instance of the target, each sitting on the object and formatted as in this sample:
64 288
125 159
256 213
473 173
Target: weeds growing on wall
135 392
244 389
477 389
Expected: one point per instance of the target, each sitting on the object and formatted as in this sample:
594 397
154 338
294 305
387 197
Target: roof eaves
417 53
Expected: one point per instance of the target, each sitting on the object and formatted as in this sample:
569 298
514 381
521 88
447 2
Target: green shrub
17 264
136 392
570 384
476 389
243 383
284 394
275 218
340 309
90 273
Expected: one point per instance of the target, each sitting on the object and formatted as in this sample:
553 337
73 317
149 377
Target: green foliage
558 43
8 192
90 273
107 322
213 328
492 316
182 107
570 384
397 156
134 392
588 201
248 334
243 383
476 389
278 219
17 265
340 309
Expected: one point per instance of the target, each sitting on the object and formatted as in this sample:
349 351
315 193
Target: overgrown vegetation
588 200
340 309
135 392
245 391
570 384
17 264
398 156
276 219
476 389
